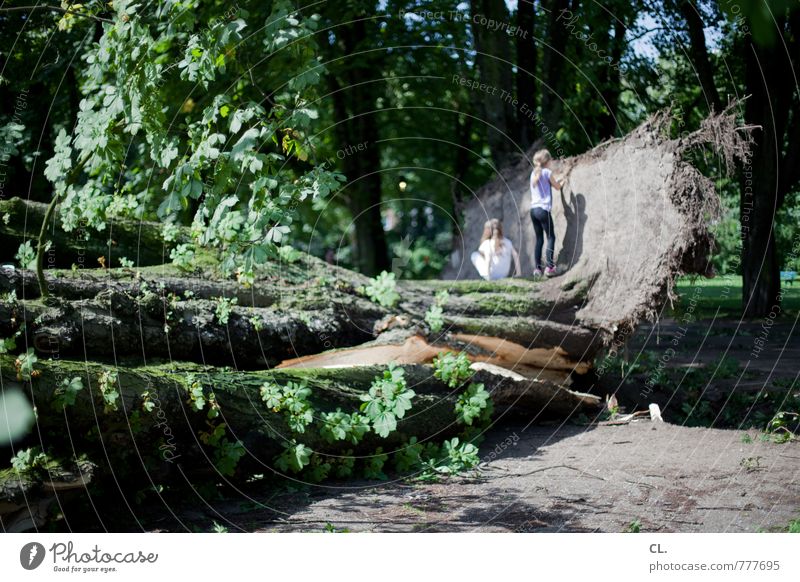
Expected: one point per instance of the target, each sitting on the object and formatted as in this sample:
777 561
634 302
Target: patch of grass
416 510
775 414
634 527
794 526
784 382
698 413
774 409
725 294
750 463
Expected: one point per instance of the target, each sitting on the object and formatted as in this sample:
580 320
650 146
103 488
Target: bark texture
158 313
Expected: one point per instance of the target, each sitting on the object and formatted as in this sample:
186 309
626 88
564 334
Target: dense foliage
243 121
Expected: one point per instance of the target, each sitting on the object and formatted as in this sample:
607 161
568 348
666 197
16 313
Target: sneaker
550 272
537 272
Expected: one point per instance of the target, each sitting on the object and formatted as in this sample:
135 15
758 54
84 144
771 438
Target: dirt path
569 478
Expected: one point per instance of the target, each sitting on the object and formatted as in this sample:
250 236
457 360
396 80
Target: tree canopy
357 129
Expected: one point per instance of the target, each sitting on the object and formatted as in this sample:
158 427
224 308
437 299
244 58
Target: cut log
138 241
538 363
158 313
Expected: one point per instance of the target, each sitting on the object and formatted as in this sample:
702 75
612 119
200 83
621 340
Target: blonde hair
493 229
539 159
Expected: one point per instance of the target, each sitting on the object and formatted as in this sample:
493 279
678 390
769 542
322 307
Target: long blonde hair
539 159
493 229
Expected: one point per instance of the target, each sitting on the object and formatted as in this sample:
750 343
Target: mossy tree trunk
141 315
138 241
150 424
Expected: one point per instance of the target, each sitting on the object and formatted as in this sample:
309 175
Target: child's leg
537 247
481 264
551 240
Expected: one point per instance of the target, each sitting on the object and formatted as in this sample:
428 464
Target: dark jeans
543 224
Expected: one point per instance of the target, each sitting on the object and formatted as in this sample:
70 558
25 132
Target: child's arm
556 183
517 270
482 250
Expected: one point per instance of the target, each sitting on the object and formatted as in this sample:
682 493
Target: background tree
493 57
772 56
355 75
527 59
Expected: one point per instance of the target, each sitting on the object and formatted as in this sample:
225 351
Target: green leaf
372 409
384 424
383 290
402 403
296 457
67 392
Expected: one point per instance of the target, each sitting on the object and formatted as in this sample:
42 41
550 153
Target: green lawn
725 294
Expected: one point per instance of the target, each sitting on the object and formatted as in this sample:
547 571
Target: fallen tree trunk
138 241
180 422
240 407
152 326
160 313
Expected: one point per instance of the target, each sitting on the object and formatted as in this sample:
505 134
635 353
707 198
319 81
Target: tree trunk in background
770 92
790 170
698 53
493 48
356 81
612 81
554 64
526 70
461 162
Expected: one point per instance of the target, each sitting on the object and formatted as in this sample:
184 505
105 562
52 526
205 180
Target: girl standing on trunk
542 182
493 257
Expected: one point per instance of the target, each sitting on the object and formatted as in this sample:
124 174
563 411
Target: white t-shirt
541 193
499 261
